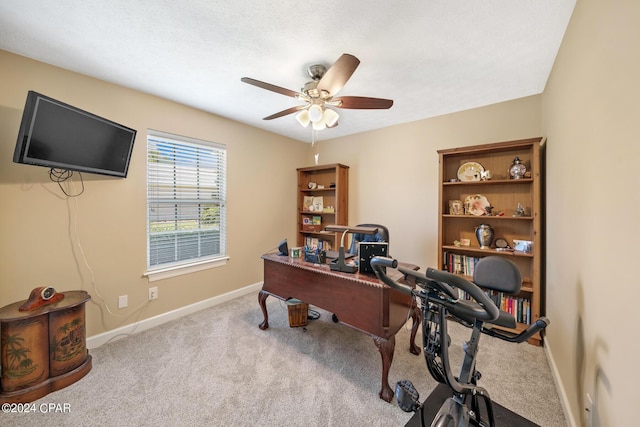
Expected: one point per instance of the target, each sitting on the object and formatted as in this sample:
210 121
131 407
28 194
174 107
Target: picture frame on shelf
307 203
456 207
318 203
525 246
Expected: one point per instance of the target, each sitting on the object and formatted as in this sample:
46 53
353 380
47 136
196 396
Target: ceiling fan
320 93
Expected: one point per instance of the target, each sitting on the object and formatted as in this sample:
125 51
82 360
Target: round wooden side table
44 348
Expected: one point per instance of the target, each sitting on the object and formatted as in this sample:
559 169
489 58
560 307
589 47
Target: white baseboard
118 333
562 393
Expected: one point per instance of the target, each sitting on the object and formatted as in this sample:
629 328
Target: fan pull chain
314 137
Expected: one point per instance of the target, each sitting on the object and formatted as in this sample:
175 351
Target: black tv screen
57 135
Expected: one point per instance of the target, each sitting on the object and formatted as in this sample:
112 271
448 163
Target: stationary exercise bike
437 293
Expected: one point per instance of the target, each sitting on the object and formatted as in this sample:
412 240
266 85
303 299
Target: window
186 210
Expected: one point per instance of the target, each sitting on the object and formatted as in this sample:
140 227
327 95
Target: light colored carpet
217 368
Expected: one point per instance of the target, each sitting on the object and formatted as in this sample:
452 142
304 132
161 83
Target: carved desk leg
262 298
386 348
416 315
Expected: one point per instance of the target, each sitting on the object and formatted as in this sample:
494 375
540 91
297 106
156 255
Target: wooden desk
358 300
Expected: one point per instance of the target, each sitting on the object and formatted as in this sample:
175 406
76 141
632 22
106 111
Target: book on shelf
313 243
460 264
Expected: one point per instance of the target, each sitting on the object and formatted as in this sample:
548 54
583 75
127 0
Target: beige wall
394 171
592 120
41 229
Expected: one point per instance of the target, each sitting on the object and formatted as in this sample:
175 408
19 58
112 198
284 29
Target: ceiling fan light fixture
318 95
315 113
330 117
318 125
303 118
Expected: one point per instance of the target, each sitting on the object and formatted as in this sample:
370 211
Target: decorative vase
517 169
484 234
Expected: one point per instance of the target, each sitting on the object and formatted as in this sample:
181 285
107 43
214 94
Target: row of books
518 307
460 264
313 243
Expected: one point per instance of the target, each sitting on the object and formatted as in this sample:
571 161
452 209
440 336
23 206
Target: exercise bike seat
501 275
498 274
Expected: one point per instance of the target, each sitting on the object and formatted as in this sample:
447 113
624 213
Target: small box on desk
316 257
298 314
368 250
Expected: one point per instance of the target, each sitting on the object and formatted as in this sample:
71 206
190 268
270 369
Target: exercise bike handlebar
379 264
482 308
488 306
423 280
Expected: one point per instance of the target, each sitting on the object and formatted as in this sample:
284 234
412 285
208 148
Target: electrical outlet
153 293
123 301
590 408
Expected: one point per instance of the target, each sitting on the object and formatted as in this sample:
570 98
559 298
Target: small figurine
488 210
519 210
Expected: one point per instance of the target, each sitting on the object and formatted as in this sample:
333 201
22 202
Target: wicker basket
298 314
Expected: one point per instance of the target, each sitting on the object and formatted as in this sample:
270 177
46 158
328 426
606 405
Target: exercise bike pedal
407 396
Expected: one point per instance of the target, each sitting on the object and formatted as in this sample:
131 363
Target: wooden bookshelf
503 194
332 185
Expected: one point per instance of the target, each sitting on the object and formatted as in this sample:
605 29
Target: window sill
179 270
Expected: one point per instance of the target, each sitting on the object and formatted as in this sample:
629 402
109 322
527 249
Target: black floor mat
503 416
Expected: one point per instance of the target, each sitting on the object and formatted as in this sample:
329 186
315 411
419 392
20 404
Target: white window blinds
186 195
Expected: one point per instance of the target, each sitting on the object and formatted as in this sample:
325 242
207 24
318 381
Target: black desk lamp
339 264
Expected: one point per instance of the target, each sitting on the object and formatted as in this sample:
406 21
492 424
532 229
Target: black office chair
381 236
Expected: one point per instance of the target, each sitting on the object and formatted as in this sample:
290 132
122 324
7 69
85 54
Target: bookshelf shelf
490 218
485 252
317 190
504 195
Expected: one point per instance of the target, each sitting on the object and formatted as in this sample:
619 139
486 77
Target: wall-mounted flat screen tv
59 136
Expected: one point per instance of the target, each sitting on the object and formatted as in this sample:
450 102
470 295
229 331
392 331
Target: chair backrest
499 274
381 236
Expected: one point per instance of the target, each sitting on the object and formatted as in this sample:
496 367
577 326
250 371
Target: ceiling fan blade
273 88
362 103
338 74
284 112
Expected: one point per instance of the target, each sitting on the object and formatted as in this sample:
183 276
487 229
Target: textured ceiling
431 57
